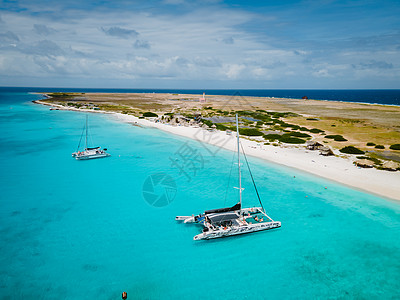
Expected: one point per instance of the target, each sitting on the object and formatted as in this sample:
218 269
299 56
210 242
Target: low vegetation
62 95
291 140
316 130
207 122
221 127
336 137
300 134
150 115
272 137
288 138
250 132
351 150
395 147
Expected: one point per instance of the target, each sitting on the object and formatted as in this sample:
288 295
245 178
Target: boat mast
240 173
86 131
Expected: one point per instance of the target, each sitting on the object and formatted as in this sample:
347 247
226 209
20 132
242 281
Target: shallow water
77 229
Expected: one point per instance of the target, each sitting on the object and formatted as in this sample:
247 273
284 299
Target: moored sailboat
89 152
233 220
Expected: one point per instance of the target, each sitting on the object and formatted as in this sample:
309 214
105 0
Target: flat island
352 143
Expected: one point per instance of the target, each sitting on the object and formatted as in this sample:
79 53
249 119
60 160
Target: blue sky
200 44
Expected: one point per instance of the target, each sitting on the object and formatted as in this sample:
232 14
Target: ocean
387 97
93 229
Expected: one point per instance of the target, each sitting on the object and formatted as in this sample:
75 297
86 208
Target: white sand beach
340 169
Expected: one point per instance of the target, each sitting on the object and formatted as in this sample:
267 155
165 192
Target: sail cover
237 206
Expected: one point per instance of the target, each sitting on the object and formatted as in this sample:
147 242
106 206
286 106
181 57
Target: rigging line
87 129
251 175
83 130
91 140
89 137
229 180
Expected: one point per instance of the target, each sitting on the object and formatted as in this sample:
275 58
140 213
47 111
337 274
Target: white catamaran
89 152
233 220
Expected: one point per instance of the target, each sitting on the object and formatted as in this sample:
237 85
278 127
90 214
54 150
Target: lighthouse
203 100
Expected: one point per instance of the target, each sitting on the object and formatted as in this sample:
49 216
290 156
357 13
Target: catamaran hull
230 231
86 157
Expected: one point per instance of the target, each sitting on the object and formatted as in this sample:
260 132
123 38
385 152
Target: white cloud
199 45
232 71
8 37
43 29
120 32
141 44
228 40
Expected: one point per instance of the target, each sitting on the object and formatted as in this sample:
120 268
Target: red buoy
124 295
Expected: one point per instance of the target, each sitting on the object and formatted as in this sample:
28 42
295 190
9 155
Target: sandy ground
339 169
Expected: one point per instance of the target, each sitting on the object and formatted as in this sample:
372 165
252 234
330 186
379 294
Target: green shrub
316 130
207 122
395 147
255 115
221 127
351 150
300 134
312 119
278 115
149 114
291 140
59 95
272 136
371 144
336 137
250 132
380 147
190 116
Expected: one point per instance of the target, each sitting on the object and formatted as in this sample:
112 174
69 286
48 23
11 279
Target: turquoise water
82 229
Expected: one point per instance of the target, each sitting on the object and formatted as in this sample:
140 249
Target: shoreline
338 169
